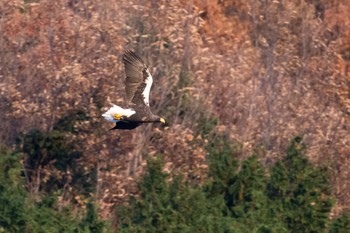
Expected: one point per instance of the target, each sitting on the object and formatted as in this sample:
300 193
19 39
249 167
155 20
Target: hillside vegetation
256 73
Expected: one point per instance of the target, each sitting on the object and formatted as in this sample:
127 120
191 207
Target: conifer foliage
291 196
173 206
20 212
301 190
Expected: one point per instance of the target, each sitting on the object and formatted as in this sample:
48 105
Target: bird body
138 83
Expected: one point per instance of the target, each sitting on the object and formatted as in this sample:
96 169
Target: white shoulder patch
146 91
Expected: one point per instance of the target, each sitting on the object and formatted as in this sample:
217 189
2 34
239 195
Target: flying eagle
138 83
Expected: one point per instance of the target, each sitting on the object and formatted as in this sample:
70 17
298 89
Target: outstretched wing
138 81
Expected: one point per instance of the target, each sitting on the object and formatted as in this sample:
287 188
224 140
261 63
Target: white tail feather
117 110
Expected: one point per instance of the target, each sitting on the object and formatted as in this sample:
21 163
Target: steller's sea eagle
138 83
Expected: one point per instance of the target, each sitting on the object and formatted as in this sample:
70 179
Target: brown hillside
268 70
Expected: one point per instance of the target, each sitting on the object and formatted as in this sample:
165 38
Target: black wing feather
135 83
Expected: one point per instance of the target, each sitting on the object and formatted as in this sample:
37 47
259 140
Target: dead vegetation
268 70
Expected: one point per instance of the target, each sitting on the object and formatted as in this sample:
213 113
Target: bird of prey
138 83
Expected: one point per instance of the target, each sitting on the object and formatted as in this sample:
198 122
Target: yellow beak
162 120
118 117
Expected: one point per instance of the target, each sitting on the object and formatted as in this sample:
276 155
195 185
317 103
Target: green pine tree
291 196
299 192
340 224
19 212
173 206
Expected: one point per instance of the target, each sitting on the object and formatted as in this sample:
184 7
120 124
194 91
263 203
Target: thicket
258 66
52 161
22 212
34 181
293 195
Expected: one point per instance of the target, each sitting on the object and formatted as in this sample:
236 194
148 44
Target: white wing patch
147 89
117 110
